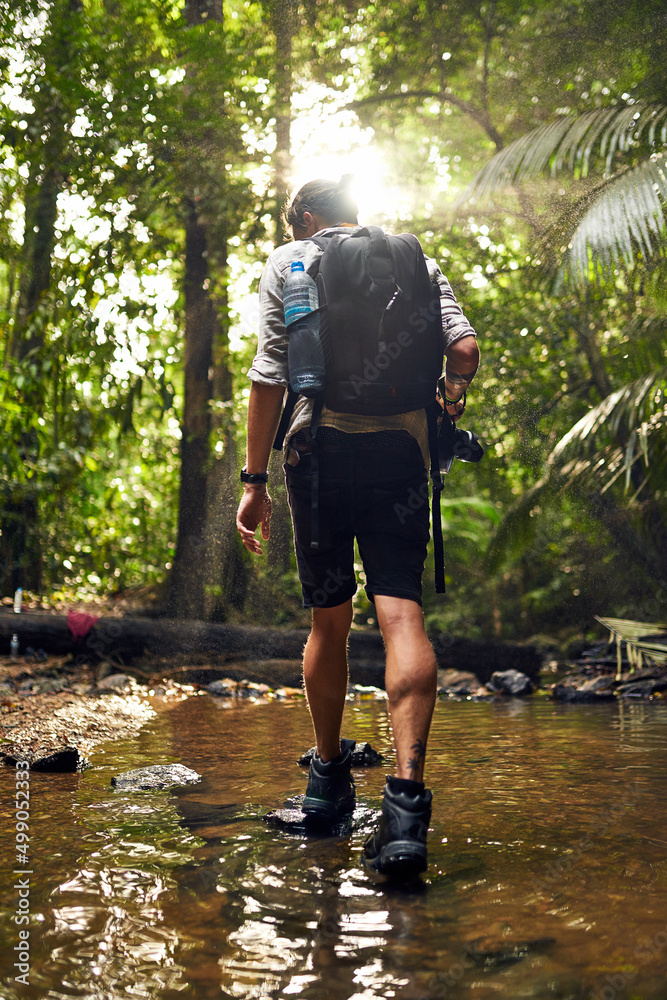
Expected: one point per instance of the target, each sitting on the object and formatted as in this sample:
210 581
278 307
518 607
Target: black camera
454 442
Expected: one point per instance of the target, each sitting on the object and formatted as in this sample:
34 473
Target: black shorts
373 487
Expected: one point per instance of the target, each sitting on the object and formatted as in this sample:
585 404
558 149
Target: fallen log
131 639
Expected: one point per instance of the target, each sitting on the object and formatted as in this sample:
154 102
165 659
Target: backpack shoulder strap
285 418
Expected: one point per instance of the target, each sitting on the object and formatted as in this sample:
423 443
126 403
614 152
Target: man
369 468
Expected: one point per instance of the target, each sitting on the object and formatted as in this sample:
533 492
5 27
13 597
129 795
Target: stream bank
55 709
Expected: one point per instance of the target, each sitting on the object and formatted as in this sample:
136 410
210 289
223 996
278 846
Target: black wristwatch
254 478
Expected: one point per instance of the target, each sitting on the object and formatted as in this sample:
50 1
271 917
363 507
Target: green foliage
122 118
621 218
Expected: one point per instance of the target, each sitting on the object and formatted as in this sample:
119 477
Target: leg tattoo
416 761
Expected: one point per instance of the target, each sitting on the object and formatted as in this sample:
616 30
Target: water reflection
548 875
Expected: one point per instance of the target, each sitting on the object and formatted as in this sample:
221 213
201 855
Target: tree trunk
186 593
226 568
208 574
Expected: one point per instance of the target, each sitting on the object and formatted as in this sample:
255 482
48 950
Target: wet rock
367 692
48 685
647 673
63 761
116 683
569 693
289 692
158 776
225 688
250 689
457 682
37 656
642 688
512 682
602 685
363 755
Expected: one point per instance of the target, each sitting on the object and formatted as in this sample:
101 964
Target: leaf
640 640
619 220
571 142
604 445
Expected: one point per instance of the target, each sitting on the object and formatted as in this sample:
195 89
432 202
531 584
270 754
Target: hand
255 508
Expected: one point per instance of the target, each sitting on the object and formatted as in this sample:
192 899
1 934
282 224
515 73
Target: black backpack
381 331
380 323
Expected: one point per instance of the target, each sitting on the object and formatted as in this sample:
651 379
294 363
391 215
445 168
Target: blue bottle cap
297 265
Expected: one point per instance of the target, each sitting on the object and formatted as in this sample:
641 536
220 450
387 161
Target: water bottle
18 600
14 647
305 356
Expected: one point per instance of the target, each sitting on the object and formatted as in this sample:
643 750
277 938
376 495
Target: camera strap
432 413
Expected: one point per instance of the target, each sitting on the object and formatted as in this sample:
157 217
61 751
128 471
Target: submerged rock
491 953
512 682
363 755
158 776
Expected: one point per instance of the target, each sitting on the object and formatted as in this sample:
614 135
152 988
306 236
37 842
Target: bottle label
297 305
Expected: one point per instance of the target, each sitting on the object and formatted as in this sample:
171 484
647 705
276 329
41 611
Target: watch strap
254 478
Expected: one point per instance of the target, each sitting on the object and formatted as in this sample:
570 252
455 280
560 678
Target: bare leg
410 679
325 675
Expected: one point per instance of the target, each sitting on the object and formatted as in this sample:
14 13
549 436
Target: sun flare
328 143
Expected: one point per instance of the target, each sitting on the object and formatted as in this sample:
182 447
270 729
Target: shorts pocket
299 495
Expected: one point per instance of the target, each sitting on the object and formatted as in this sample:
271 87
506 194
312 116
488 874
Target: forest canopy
148 148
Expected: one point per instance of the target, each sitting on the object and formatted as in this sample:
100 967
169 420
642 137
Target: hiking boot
398 844
330 791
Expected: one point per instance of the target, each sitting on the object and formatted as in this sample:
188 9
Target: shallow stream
547 877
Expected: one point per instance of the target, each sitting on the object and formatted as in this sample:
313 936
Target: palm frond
572 143
624 411
605 444
601 448
640 641
620 218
